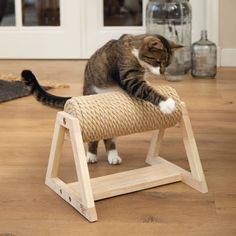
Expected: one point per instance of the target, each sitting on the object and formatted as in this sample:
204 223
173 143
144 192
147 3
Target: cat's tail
39 93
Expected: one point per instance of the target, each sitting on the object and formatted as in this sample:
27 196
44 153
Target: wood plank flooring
29 207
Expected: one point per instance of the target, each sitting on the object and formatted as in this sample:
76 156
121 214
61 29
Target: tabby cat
119 64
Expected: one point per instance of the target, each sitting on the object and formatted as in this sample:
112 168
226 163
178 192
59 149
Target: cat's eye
149 57
160 51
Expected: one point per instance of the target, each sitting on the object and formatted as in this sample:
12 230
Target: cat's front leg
138 87
112 154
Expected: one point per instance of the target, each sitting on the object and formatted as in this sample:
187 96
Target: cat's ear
156 44
153 42
175 46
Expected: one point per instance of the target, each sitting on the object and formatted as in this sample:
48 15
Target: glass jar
204 57
173 20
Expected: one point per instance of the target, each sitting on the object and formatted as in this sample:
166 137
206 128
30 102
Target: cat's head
158 51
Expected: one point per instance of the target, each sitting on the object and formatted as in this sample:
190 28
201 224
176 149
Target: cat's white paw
113 157
168 106
91 158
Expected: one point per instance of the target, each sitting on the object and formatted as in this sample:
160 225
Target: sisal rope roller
114 114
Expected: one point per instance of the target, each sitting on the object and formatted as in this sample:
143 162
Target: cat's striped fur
118 64
115 64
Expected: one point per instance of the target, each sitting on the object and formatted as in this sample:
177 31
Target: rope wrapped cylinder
114 114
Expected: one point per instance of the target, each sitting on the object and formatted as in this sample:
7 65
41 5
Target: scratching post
108 115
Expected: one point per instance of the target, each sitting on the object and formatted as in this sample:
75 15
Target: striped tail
39 93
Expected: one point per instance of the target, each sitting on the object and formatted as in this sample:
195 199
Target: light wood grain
131 181
83 199
28 207
155 145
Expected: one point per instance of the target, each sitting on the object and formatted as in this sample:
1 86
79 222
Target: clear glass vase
204 57
173 20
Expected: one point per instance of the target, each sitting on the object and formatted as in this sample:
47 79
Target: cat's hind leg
112 154
92 152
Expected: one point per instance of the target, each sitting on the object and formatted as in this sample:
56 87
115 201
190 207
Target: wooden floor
29 207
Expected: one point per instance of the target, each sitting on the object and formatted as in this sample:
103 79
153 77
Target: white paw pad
113 158
168 106
91 158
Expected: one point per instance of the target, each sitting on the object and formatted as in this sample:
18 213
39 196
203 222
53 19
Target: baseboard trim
228 57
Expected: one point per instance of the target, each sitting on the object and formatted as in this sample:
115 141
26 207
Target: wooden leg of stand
155 145
82 199
56 149
81 168
195 178
191 149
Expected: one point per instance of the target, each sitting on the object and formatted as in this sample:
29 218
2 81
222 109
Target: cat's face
157 51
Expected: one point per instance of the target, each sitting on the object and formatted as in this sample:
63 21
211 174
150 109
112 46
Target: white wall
199 18
227 29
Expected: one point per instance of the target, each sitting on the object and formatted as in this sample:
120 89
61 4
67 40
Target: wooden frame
83 194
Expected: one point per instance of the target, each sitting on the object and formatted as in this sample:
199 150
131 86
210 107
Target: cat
119 64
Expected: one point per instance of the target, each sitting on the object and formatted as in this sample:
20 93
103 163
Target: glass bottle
204 57
173 20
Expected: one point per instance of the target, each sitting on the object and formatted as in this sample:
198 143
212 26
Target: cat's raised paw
113 158
168 106
91 158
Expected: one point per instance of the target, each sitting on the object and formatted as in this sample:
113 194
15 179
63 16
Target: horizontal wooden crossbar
130 181
114 185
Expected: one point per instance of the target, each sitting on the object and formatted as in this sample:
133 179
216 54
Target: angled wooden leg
191 150
56 149
155 145
82 199
195 178
82 169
